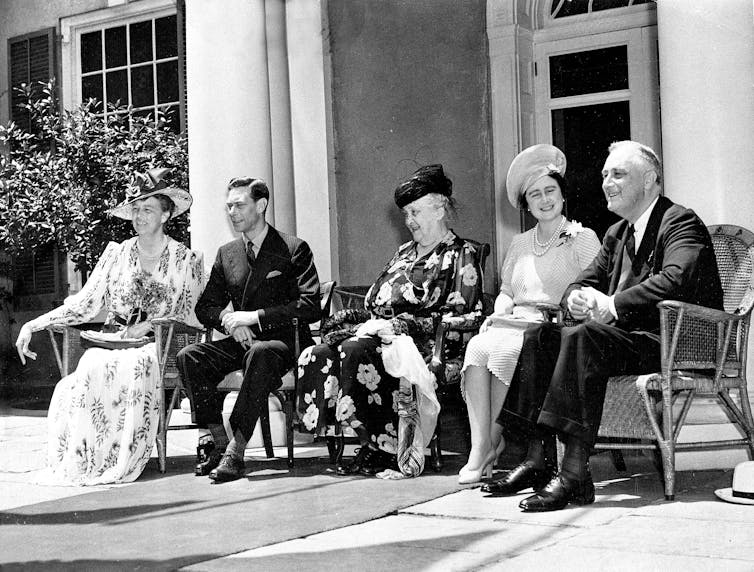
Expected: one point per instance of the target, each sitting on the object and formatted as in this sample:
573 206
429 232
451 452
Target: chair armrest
699 312
178 326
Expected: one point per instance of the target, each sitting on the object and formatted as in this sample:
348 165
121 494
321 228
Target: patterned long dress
102 420
347 384
529 280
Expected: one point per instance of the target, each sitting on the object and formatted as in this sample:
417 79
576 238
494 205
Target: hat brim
727 496
182 200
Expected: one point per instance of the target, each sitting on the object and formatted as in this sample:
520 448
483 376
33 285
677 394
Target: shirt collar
257 240
641 223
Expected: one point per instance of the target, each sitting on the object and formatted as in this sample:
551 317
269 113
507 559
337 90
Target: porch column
228 110
706 51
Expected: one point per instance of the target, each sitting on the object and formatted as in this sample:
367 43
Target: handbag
342 325
111 340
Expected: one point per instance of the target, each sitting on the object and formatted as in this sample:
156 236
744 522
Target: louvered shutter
32 59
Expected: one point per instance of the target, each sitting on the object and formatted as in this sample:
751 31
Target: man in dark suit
659 251
269 278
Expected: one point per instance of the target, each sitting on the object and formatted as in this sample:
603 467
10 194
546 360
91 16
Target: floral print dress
102 420
347 383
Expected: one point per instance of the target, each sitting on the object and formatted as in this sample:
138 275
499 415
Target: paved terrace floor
630 527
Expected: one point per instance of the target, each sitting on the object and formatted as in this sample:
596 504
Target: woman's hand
485 325
22 344
138 330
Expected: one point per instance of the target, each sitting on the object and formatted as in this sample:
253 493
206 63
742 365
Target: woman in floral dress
538 267
102 420
433 275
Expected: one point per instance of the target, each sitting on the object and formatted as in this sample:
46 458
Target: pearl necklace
544 247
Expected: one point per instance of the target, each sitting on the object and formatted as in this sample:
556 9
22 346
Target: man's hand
599 310
232 320
579 304
243 335
22 344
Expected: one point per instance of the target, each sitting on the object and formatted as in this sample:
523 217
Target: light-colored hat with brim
530 165
147 185
742 491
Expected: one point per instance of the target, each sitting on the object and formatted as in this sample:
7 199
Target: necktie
631 243
628 258
250 253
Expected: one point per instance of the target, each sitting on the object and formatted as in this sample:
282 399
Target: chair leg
332 448
435 449
288 407
162 434
264 422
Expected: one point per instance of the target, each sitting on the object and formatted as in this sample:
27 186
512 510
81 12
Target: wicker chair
444 364
170 336
286 393
703 353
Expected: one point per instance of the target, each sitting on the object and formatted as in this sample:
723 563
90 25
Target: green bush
58 181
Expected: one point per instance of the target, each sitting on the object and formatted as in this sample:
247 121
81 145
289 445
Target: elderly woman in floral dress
436 274
538 267
102 420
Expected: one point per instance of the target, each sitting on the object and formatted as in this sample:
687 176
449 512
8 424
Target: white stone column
228 109
706 51
283 206
308 69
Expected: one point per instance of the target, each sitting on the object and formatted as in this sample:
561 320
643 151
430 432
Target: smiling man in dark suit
659 251
269 278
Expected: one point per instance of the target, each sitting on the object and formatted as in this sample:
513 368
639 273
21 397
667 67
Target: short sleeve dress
102 419
529 279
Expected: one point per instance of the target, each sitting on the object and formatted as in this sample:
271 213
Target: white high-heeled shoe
468 476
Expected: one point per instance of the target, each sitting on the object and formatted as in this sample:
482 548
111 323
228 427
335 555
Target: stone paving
630 527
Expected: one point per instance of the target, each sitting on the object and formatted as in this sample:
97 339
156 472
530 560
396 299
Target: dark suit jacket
283 284
675 261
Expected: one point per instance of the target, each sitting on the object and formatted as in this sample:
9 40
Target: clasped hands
238 325
590 304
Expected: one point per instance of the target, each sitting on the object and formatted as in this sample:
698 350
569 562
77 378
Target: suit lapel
620 252
239 267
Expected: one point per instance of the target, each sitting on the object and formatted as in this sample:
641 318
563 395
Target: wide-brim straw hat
530 165
742 491
147 185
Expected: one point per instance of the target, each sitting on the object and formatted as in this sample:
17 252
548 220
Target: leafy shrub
58 181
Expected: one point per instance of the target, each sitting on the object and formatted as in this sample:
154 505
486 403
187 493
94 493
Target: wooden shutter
31 59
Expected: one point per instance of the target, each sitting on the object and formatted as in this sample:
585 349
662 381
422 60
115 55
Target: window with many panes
133 64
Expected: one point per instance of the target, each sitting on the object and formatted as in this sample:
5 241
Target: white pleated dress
529 280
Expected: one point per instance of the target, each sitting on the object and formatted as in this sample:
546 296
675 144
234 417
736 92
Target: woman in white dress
102 420
538 267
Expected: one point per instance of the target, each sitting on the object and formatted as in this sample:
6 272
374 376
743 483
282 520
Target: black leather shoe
229 469
205 467
203 449
558 493
362 463
522 477
378 463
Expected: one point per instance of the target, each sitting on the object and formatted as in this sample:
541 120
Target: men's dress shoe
229 469
558 493
518 479
378 463
365 459
203 449
205 467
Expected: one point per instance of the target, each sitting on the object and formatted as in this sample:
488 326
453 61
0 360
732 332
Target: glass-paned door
591 91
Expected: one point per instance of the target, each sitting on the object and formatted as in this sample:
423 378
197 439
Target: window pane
593 71
91 86
571 8
166 33
115 47
142 86
167 82
607 4
91 51
141 42
584 134
117 87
